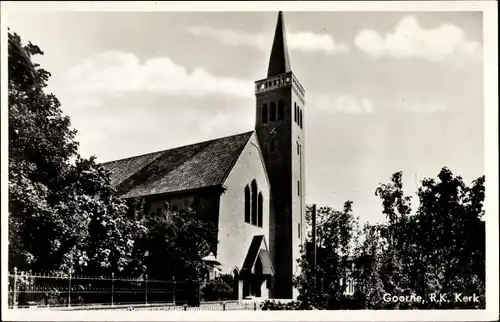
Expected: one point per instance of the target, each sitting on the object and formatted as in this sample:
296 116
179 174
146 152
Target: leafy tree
179 239
62 210
450 239
440 249
40 145
437 250
322 287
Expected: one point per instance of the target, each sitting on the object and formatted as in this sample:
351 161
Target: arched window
281 110
235 284
300 118
259 210
272 116
264 113
254 203
247 204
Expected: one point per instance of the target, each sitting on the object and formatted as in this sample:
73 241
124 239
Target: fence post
173 285
31 283
69 290
14 296
146 295
112 289
199 289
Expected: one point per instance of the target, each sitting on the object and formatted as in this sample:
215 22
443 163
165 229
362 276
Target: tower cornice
279 81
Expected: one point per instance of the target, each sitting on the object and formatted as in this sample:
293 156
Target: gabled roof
184 168
252 253
279 62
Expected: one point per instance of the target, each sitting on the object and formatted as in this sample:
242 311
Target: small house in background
353 264
214 266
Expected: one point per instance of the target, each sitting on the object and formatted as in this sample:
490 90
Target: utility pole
314 244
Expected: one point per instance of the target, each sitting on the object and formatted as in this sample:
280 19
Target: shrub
218 289
271 305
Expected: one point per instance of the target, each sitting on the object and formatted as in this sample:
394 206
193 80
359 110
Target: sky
385 91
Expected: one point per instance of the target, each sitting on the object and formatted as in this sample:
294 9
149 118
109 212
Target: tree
451 238
179 239
63 213
439 249
323 287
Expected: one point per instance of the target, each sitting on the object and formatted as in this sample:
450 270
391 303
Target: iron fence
32 290
204 306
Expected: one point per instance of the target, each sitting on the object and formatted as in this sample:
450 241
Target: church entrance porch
257 271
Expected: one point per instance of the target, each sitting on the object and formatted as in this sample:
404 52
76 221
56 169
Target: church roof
183 168
279 62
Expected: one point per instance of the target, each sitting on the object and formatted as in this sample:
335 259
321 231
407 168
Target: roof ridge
210 162
176 147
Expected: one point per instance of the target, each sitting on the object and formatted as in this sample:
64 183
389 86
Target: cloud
341 103
301 41
409 40
150 105
116 73
311 42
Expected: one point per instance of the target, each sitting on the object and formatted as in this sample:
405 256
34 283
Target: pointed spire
279 62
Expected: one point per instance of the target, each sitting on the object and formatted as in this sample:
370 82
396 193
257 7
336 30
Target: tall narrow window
271 146
298 148
264 113
295 112
247 204
300 118
272 116
260 210
298 188
281 110
298 229
254 203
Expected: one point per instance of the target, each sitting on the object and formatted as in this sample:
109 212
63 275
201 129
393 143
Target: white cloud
300 41
311 42
115 73
341 103
409 40
114 97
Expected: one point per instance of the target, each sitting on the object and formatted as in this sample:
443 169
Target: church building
250 185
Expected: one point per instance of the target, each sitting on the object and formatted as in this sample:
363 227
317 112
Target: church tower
280 128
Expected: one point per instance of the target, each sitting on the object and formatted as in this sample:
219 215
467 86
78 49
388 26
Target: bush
218 289
270 305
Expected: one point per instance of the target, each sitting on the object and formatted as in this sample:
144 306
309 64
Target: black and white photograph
228 159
